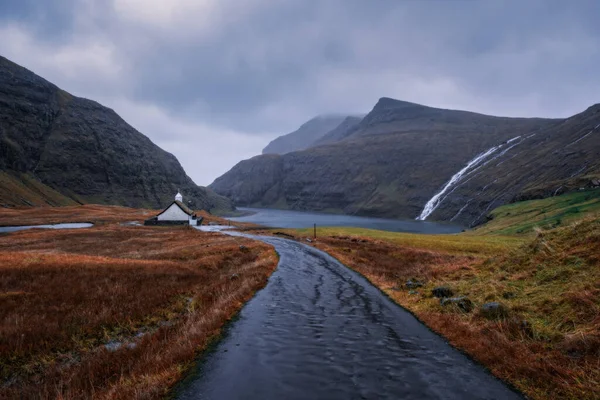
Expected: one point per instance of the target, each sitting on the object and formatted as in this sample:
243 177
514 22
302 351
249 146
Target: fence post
315 232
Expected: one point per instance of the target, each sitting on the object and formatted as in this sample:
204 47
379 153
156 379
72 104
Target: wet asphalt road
320 331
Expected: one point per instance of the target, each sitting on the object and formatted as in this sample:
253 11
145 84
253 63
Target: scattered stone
234 277
494 310
413 284
113 345
525 327
462 302
244 248
442 291
413 292
508 295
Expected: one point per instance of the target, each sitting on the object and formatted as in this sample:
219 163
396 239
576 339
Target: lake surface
298 219
4 229
318 330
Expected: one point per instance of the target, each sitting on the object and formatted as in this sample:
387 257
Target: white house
176 213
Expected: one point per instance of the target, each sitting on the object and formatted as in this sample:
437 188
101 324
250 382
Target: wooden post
315 231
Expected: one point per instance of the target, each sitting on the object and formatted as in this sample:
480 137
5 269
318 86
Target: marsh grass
162 292
98 214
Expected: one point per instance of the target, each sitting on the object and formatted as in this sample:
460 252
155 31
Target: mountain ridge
393 162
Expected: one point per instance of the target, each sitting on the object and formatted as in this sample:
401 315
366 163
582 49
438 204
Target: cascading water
471 167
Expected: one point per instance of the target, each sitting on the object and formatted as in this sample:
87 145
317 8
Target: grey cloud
264 69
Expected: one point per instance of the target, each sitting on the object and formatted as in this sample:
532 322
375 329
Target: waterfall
584 136
471 166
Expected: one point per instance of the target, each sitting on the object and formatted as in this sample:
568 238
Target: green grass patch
523 217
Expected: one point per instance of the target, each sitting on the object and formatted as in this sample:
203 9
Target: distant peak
386 102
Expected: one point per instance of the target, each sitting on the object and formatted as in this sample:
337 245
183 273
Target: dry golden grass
94 213
548 347
164 293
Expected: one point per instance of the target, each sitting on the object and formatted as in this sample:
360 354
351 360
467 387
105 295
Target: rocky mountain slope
59 149
395 160
562 158
305 136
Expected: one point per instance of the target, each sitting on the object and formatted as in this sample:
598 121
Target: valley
537 259
408 252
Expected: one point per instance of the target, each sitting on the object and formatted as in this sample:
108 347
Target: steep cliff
61 149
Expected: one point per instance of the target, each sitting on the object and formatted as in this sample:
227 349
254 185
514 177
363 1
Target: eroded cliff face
84 151
396 158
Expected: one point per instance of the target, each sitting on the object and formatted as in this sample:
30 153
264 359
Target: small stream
6 229
321 331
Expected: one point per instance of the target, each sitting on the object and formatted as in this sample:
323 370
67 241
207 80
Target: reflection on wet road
320 331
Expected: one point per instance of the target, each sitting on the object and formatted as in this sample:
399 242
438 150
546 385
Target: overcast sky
213 81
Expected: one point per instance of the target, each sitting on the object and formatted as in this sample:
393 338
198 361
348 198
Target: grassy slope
549 279
26 190
64 294
523 217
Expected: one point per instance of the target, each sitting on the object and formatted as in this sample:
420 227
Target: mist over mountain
305 136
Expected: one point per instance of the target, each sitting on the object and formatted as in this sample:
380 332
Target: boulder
413 284
234 277
494 310
462 302
442 291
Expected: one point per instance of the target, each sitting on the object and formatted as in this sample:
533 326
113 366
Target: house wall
173 213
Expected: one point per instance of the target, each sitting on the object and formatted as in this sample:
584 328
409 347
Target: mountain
305 136
562 158
390 164
58 149
340 132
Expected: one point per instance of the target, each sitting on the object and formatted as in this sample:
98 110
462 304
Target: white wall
173 213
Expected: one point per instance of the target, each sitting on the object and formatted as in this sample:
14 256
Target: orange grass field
155 295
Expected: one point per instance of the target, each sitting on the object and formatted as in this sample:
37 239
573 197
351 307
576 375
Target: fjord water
320 331
298 219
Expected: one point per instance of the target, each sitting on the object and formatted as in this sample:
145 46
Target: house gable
173 213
